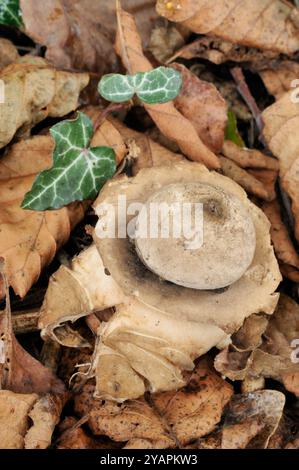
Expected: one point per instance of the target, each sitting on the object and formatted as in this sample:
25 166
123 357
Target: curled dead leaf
202 104
27 421
33 92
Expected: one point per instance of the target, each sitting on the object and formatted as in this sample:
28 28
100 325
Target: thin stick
25 322
244 91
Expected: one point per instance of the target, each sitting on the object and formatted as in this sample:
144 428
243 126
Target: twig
25 322
244 91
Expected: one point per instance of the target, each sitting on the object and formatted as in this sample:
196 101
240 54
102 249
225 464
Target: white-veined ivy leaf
157 86
78 172
117 88
10 12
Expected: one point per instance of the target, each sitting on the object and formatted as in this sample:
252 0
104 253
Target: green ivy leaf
231 132
157 86
10 12
78 173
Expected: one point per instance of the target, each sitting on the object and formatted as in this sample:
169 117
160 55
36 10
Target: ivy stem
105 112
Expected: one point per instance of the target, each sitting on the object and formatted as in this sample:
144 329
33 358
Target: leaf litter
238 397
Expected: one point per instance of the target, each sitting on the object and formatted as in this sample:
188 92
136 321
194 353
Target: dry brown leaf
79 34
280 132
167 118
202 104
72 436
27 421
195 410
247 158
33 92
274 357
255 23
8 53
19 371
278 80
169 419
251 419
219 51
251 184
283 246
29 239
123 423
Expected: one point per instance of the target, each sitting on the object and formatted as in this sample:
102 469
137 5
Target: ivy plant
78 171
157 86
10 13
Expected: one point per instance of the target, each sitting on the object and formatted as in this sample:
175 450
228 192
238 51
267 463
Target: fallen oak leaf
29 240
34 91
78 171
169 120
202 104
254 23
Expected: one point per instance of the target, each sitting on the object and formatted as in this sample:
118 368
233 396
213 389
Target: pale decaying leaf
283 246
168 420
167 118
202 104
27 421
280 132
251 419
275 357
79 34
255 23
279 79
8 53
33 92
28 239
